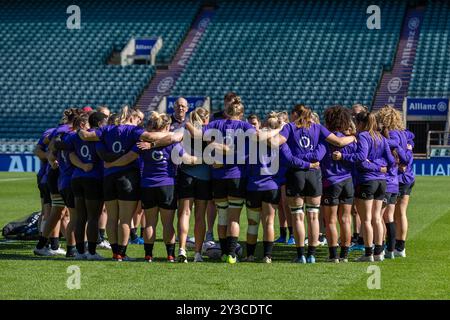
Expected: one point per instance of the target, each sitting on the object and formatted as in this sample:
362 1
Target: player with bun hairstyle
371 184
157 184
194 188
229 179
86 185
284 215
56 159
121 183
263 189
305 186
338 189
393 130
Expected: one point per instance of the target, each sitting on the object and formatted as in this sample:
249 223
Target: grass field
424 274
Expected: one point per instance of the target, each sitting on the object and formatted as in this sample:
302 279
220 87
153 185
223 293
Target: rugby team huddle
113 172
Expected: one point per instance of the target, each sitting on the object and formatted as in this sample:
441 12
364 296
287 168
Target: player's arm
127 158
80 164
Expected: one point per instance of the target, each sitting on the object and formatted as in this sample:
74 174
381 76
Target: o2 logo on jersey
305 142
157 155
117 147
85 152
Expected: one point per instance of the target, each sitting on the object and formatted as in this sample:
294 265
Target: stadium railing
438 144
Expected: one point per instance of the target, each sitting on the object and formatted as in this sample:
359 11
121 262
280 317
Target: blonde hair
283 116
390 118
198 116
273 120
158 121
304 114
315 117
128 113
235 108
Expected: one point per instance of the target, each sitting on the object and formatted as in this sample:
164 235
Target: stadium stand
275 54
45 67
431 72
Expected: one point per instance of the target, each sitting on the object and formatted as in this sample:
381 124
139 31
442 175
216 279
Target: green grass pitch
424 274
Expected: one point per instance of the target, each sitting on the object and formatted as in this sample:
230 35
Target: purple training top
376 152
43 170
230 129
118 139
65 166
302 141
159 169
86 152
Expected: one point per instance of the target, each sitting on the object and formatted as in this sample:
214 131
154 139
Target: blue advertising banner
432 167
427 107
19 163
143 47
31 163
193 103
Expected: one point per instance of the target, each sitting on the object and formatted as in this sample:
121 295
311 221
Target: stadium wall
28 162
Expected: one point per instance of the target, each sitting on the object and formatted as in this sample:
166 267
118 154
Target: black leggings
88 211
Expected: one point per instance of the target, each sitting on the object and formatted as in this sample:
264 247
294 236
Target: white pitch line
14 179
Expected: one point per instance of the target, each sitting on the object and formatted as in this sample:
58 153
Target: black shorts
190 187
304 183
124 185
405 189
339 193
52 181
390 198
369 190
87 188
68 197
256 198
224 188
44 193
161 197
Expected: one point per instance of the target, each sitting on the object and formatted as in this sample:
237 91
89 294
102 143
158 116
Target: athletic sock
355 236
54 243
268 246
133 234
142 232
80 247
291 232
223 245
283 232
231 245
400 245
42 242
114 248
333 252
122 250
378 249
360 240
251 247
368 251
70 249
92 246
311 251
300 251
390 235
148 247
170 248
344 253
101 234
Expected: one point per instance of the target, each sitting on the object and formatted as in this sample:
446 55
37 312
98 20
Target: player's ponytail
304 116
80 120
198 116
367 121
127 113
273 120
158 121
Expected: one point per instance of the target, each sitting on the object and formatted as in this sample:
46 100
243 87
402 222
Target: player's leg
211 214
151 221
253 205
